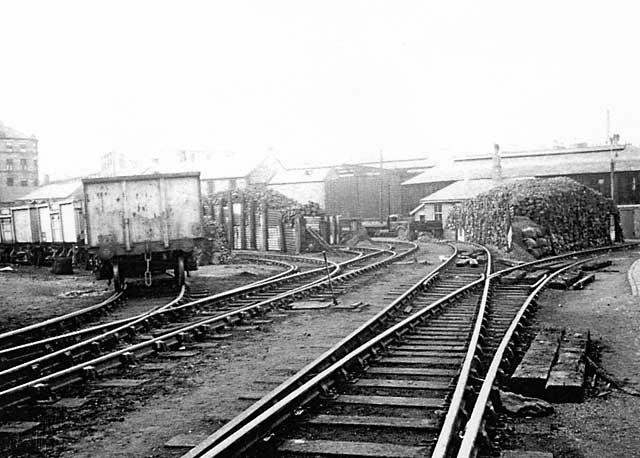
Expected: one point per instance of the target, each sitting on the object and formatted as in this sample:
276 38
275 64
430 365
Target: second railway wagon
142 225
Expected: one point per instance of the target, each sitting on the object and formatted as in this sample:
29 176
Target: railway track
38 378
395 388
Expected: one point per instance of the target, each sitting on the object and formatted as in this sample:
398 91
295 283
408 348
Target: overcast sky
328 81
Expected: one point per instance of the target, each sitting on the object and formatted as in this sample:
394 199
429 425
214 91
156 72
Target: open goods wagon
138 226
37 232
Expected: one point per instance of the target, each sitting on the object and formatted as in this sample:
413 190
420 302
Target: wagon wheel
118 280
179 272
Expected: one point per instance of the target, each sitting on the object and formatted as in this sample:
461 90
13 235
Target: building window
9 165
35 182
23 164
9 181
437 212
35 164
422 218
23 147
23 183
9 146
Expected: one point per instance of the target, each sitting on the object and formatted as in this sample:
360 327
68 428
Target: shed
438 205
303 185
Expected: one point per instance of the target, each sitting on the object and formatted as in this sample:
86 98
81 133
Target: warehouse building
589 165
438 205
18 163
350 190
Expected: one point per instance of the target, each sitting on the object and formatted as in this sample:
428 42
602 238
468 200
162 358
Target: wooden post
299 233
243 223
332 230
230 233
283 241
324 230
265 225
253 245
220 218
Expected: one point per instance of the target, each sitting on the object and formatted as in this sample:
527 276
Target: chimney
497 166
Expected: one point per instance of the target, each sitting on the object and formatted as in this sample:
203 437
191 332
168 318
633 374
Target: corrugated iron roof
292 176
461 190
565 162
57 190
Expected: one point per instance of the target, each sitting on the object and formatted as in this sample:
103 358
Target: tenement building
18 164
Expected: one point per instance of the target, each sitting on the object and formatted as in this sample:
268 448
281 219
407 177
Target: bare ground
198 394
607 423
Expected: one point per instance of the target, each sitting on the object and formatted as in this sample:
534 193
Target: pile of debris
562 214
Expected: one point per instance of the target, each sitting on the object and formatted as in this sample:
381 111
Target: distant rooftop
310 175
55 190
9 132
539 163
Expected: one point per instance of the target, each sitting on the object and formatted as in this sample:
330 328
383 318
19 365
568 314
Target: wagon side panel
183 208
22 225
104 206
143 209
44 217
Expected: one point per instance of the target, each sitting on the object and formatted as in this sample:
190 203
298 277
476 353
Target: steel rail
19 393
452 419
473 426
34 365
9 353
6 337
342 348
245 437
453 425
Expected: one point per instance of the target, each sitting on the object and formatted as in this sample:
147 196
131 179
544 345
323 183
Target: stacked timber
274 200
214 247
564 214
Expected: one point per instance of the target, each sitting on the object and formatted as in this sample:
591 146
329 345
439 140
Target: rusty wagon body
143 225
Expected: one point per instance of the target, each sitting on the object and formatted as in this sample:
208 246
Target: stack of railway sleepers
513 277
566 280
553 367
596 265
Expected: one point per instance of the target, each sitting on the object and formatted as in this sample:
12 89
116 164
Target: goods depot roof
535 163
460 191
55 190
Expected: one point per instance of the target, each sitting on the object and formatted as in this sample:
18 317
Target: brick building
18 163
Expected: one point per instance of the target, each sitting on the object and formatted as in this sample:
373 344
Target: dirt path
201 393
32 294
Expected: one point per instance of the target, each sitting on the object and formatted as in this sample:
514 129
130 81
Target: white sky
341 79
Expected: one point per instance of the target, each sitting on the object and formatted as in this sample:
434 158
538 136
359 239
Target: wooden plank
430 347
402 384
390 401
373 421
530 377
567 376
122 383
524 454
359 449
18 427
185 440
421 360
424 371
